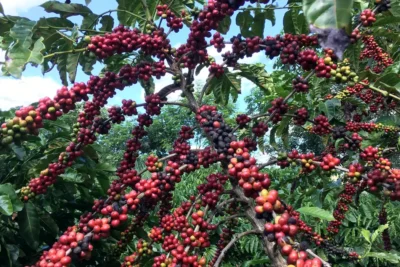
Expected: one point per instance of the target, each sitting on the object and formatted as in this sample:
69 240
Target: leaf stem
383 92
66 52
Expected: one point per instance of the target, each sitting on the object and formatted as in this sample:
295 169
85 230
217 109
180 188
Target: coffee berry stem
383 92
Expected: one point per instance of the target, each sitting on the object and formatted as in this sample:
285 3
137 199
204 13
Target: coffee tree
336 81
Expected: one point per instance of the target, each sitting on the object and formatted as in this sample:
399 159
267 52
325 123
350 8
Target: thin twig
231 243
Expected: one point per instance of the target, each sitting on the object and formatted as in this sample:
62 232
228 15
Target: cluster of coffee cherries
123 40
278 109
71 244
152 163
372 50
300 84
300 116
259 128
321 125
242 120
213 124
370 153
342 207
387 244
329 162
367 17
173 22
26 121
354 142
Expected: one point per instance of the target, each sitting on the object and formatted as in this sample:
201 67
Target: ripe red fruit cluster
367 17
342 207
153 104
372 50
101 125
369 153
300 84
329 162
355 171
307 59
124 40
212 189
243 167
156 234
152 163
218 41
301 116
129 107
116 115
387 244
242 120
321 125
279 108
260 128
216 69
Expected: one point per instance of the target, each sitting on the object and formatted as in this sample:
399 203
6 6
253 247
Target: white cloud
25 91
13 7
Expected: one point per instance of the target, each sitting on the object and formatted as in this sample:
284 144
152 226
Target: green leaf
87 62
317 213
366 234
20 53
256 73
8 190
55 22
66 10
87 2
395 8
224 86
29 226
133 6
244 20
224 25
272 141
269 14
6 207
49 224
328 14
1 9
89 21
288 26
19 151
103 181
390 257
379 231
62 63
72 65
258 24
107 23
105 167
148 86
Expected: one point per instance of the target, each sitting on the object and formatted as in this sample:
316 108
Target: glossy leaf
317 213
328 14
379 231
224 25
72 65
5 205
244 20
390 257
49 224
8 190
66 10
107 23
29 225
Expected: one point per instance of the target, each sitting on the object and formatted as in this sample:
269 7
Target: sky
33 85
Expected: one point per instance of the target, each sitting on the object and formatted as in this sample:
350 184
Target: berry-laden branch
232 242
